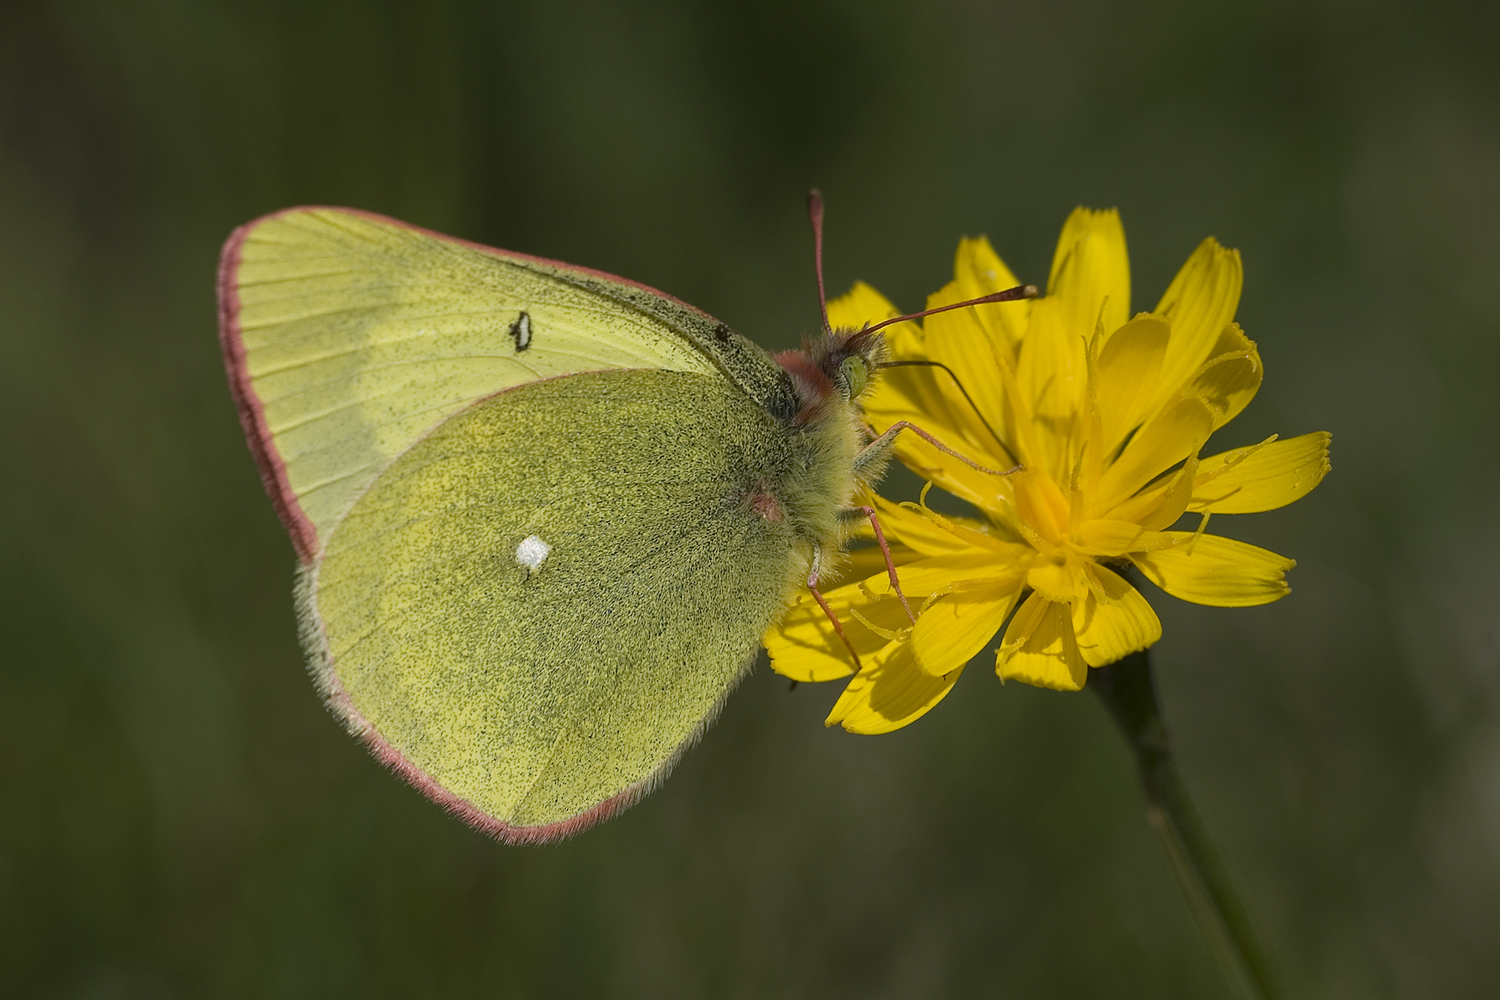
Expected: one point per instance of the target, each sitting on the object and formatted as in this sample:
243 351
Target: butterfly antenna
815 214
1009 295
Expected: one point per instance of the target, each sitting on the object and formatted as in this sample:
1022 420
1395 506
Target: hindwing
529 622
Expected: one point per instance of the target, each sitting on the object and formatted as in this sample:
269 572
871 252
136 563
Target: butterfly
543 514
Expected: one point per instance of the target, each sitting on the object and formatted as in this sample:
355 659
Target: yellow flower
1105 415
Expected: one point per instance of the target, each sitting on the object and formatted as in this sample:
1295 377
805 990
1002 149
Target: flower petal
910 526
974 343
1261 477
1059 575
889 693
910 390
1159 506
1040 647
1199 304
978 270
958 340
987 537
940 574
1091 271
862 304
928 398
924 396
1089 288
959 624
1127 377
1040 505
1112 628
799 648
1231 377
1051 376
1167 439
803 644
1209 569
1101 537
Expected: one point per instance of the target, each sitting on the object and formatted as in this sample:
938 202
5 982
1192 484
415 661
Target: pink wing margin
247 403
252 414
304 539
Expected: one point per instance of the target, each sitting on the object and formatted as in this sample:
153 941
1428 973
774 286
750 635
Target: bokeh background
179 817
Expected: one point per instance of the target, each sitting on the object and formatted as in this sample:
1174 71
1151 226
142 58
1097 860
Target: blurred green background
179 817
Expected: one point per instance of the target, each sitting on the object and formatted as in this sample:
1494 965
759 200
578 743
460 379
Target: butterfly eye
856 376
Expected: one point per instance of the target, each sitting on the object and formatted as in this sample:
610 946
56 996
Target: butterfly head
838 365
833 369
848 358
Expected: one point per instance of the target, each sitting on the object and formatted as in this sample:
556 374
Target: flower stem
1129 693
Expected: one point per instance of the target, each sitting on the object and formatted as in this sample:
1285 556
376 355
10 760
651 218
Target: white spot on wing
532 552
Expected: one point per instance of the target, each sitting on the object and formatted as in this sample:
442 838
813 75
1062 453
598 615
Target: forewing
532 700
348 335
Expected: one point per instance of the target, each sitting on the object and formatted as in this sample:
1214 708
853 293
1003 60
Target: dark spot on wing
520 330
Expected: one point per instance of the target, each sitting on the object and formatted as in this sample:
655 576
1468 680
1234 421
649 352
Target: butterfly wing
347 335
528 500
534 609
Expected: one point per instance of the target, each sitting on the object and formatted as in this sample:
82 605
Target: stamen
887 634
921 508
1202 527
1239 457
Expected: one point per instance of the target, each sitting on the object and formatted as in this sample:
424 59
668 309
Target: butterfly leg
812 585
885 550
881 446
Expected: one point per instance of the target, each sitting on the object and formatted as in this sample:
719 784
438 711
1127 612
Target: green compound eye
856 376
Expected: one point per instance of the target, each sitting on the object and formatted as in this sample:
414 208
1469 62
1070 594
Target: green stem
1127 690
